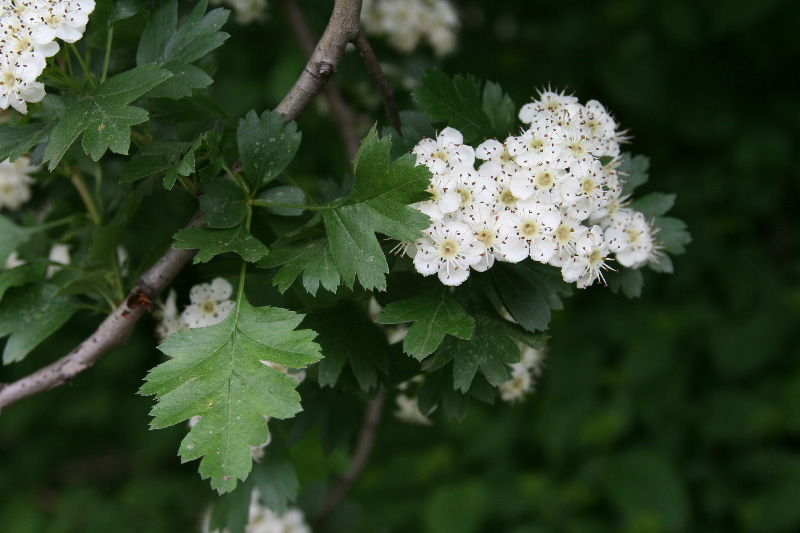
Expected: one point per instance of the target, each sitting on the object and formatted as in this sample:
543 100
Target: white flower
534 224
166 313
591 251
13 261
263 520
209 305
406 22
446 150
632 241
408 411
448 249
518 385
59 253
15 183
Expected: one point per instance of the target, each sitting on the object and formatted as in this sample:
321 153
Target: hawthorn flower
408 411
448 248
13 261
448 149
633 241
169 320
523 375
534 224
591 251
210 304
59 253
408 22
15 183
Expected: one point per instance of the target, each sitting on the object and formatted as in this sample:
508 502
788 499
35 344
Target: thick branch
342 28
342 115
366 438
114 330
374 67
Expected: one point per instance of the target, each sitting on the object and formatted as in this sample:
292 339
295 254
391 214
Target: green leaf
500 109
94 282
105 118
173 48
11 237
172 157
311 258
21 275
672 234
634 171
231 511
654 204
378 203
15 141
348 336
125 9
529 291
283 194
266 146
216 372
489 349
628 280
458 101
435 314
224 202
30 315
212 242
275 477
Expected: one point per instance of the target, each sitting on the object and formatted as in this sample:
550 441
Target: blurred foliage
676 412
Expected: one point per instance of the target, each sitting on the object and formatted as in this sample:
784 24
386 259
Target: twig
366 438
375 70
114 330
342 115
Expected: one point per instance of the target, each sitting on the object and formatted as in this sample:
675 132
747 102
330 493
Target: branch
342 28
375 70
342 115
114 330
366 437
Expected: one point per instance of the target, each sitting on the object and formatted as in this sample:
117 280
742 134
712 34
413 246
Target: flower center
588 186
466 195
529 229
563 234
634 235
535 144
544 180
595 258
507 199
8 78
505 157
434 194
486 236
441 154
208 307
577 148
448 249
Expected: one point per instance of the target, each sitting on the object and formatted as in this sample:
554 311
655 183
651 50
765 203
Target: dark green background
676 412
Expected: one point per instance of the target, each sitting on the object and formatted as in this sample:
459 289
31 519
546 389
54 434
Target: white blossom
448 249
210 304
59 253
405 23
15 183
408 410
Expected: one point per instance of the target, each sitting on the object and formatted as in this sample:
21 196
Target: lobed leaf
212 242
311 258
266 146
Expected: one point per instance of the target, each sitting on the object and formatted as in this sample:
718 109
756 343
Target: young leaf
672 233
224 203
347 335
434 313
30 315
174 49
212 242
266 146
654 204
500 109
634 171
217 372
629 281
312 258
378 203
105 118
283 194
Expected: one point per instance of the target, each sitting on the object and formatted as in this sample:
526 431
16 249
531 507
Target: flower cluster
552 193
245 11
28 30
15 182
523 375
263 520
209 304
406 22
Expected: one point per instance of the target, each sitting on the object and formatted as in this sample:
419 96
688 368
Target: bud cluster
28 30
553 193
406 22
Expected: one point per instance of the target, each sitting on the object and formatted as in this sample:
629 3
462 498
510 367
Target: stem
237 178
374 67
53 224
264 203
86 196
83 66
108 52
292 182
